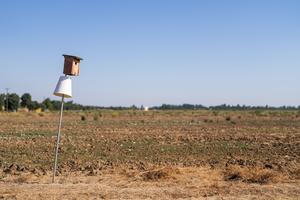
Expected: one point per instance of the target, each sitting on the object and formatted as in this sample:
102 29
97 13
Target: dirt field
152 155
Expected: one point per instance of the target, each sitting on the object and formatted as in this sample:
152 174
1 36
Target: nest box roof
75 57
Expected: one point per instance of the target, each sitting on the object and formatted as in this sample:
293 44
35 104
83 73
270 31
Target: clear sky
155 51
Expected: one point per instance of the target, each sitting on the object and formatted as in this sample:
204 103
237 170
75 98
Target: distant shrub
228 118
83 118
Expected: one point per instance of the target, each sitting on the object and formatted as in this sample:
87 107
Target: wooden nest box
71 66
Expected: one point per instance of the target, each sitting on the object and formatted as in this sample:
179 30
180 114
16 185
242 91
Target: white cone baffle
64 87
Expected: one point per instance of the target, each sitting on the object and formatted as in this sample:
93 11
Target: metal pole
58 139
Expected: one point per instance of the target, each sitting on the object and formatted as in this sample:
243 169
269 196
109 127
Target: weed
83 118
228 118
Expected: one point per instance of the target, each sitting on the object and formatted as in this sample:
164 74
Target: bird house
71 66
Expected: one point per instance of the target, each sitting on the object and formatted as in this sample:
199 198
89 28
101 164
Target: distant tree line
12 102
179 107
221 107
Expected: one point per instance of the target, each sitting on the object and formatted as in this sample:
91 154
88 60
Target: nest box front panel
71 67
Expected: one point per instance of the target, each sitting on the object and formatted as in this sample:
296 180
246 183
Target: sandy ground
185 183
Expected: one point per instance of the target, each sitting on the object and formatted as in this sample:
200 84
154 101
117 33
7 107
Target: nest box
71 66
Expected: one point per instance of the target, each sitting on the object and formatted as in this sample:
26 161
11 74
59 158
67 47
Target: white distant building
144 108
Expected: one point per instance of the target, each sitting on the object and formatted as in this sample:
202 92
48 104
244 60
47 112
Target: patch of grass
115 114
29 134
21 179
260 113
294 171
250 175
158 174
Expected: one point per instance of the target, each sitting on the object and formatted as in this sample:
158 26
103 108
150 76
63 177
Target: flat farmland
133 154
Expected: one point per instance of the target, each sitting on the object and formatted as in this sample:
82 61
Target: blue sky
155 51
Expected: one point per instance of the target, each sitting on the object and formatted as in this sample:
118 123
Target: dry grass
159 174
252 175
294 171
161 183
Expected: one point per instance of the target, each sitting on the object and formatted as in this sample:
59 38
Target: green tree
55 105
2 102
13 102
34 105
26 100
134 107
47 104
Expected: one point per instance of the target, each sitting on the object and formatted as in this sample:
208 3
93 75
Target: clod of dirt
268 166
